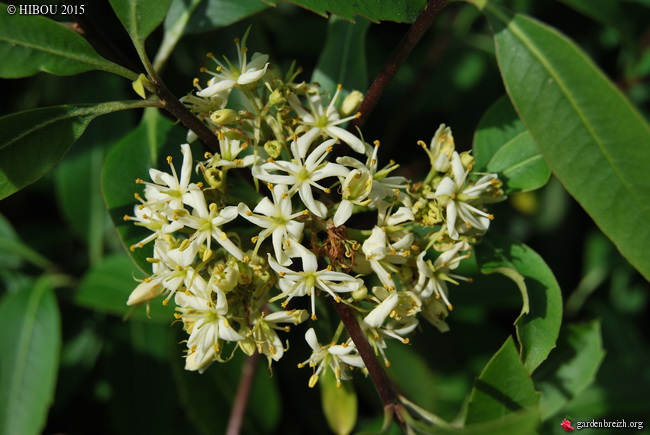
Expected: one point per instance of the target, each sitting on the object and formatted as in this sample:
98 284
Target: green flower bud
360 293
351 103
277 98
273 148
224 116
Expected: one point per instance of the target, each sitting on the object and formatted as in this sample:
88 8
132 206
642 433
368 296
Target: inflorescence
270 223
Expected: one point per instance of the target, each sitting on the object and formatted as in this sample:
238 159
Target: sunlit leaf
30 333
538 328
35 43
591 137
504 387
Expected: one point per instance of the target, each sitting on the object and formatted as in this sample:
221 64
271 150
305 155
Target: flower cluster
269 225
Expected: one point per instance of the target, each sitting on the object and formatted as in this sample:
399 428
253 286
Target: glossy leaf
502 145
130 159
591 137
30 333
339 403
571 367
140 17
405 11
343 59
106 288
537 328
504 387
35 43
35 140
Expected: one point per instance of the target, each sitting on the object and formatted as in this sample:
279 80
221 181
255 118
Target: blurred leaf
538 329
343 59
579 120
405 11
13 250
339 403
571 367
209 15
35 43
413 375
515 423
35 140
30 333
607 12
107 286
504 387
130 159
140 17
503 145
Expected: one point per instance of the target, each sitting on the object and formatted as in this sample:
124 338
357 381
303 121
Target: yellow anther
126 217
377 143
203 69
169 159
254 239
327 190
210 55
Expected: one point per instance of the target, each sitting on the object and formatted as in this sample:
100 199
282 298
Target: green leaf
504 387
34 141
210 14
107 286
343 59
130 159
140 17
571 367
13 249
516 423
30 333
502 145
404 11
339 403
35 43
538 327
591 137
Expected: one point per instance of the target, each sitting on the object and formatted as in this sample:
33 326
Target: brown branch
243 392
383 384
176 108
396 59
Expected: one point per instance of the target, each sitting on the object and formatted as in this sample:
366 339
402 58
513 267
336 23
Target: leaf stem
383 384
396 59
176 108
241 397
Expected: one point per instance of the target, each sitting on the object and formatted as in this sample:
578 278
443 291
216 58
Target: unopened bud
223 116
351 103
277 98
273 148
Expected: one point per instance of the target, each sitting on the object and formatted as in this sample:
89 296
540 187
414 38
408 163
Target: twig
176 108
243 392
383 384
397 57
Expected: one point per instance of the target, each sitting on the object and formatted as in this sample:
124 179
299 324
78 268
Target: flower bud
351 103
277 98
223 116
273 148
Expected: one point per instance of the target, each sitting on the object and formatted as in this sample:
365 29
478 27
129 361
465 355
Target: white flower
381 256
455 195
395 316
302 175
169 188
305 282
323 121
433 277
207 222
440 149
338 357
206 322
277 221
264 334
230 76
229 150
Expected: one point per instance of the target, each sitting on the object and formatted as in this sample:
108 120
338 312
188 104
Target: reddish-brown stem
397 58
187 118
243 393
383 384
